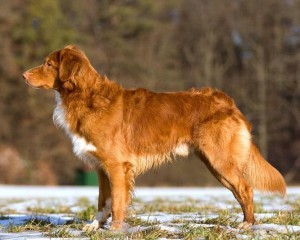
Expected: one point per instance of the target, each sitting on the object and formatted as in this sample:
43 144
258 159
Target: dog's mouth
26 77
36 86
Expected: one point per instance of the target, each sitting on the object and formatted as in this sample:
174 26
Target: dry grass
198 221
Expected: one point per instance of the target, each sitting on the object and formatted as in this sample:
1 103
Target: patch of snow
160 217
259 216
169 228
177 193
277 228
137 229
22 236
17 220
293 190
277 207
31 192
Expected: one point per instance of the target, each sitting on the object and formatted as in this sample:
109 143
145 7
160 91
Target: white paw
95 225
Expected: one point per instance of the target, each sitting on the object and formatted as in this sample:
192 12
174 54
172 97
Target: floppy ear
69 68
77 49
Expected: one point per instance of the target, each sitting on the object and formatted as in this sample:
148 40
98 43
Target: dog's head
62 69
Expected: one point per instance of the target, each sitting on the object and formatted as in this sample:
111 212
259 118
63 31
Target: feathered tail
261 175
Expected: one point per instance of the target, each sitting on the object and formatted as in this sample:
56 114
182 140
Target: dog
123 133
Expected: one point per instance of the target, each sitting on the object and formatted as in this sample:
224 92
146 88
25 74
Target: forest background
248 48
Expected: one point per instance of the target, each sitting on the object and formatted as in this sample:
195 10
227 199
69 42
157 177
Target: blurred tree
44 27
250 49
8 65
39 29
205 46
136 38
251 53
271 63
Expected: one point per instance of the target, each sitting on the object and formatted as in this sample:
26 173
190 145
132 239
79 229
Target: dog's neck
91 91
97 98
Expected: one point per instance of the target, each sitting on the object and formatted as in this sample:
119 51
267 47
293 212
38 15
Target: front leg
104 202
121 179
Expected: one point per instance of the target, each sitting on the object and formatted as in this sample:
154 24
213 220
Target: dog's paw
117 226
245 225
95 225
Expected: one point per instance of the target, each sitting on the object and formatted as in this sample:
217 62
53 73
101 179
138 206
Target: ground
156 213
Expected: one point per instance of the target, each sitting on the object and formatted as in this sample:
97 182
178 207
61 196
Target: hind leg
225 145
232 179
242 192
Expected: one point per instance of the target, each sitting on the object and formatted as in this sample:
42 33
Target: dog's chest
81 147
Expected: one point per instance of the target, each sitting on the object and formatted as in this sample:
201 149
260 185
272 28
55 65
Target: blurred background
248 48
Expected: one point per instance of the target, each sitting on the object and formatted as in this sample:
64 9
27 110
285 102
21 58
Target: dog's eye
49 64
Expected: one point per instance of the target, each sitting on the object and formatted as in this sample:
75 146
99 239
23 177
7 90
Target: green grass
49 210
283 218
88 214
189 232
224 219
161 205
32 225
61 232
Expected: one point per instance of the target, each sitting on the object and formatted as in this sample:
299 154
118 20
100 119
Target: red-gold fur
125 132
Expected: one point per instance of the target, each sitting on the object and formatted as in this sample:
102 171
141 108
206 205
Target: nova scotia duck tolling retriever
123 133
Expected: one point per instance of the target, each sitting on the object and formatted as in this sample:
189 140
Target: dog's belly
145 162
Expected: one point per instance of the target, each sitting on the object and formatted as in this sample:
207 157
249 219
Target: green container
86 178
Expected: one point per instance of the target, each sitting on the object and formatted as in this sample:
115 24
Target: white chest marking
81 147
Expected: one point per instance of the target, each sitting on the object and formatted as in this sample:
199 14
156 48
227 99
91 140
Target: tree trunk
262 101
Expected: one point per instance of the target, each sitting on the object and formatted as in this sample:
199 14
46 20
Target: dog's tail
261 175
